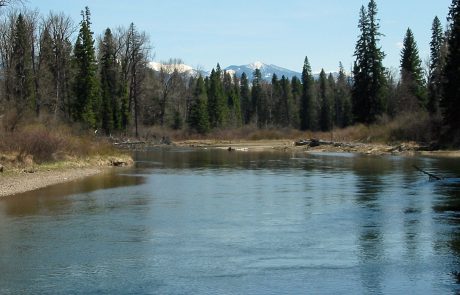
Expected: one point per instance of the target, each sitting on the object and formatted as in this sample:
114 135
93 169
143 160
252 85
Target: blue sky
205 32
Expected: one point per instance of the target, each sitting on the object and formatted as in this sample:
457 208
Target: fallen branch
431 175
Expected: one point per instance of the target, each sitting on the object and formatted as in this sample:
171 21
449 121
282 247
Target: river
217 222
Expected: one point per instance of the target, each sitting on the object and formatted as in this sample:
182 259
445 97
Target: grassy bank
37 146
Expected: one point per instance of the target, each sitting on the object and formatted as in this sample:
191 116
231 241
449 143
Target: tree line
106 83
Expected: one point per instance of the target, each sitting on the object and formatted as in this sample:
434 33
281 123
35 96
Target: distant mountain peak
257 65
266 70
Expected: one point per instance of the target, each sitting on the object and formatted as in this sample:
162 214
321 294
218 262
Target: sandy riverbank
23 182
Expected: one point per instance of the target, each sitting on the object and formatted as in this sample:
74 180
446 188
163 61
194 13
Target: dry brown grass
40 144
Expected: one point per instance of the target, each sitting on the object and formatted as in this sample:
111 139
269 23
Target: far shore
406 149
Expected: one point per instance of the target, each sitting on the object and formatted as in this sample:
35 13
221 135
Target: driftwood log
430 175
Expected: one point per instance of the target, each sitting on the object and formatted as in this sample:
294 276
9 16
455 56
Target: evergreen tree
257 97
277 101
46 97
369 74
451 85
233 107
296 91
343 111
436 66
86 87
325 118
286 105
111 118
307 112
245 94
22 81
412 73
216 99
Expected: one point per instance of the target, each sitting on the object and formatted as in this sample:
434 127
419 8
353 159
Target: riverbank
407 149
32 177
17 183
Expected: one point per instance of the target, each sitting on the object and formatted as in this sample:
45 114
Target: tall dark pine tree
369 74
245 94
436 66
45 80
296 91
325 116
22 79
412 82
111 117
307 107
451 85
258 99
343 111
198 119
86 87
286 101
216 99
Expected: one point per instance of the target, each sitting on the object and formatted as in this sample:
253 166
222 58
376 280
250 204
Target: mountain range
267 70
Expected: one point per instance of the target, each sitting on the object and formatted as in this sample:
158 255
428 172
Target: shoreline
18 183
377 149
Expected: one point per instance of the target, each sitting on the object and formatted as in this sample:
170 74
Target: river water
219 222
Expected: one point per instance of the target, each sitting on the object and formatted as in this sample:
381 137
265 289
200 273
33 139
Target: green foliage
411 70
216 99
111 117
22 80
437 59
325 116
245 97
342 96
369 87
307 112
86 87
198 118
451 85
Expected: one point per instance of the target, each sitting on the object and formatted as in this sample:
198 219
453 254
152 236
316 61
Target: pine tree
109 84
233 107
369 74
307 112
258 99
436 66
296 91
343 111
286 102
451 85
23 93
46 80
216 99
86 87
412 73
245 94
325 118
198 118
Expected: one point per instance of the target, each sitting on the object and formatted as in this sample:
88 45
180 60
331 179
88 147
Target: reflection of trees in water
369 185
448 207
53 198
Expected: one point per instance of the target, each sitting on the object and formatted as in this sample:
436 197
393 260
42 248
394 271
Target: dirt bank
22 182
408 148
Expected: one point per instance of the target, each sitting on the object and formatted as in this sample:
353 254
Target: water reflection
51 199
197 221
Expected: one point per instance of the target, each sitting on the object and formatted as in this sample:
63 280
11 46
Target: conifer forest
56 69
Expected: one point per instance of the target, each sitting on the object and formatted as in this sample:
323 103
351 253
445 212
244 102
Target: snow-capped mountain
266 70
180 67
